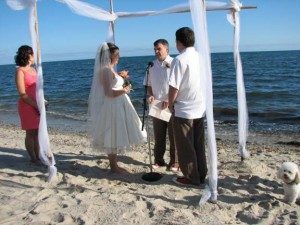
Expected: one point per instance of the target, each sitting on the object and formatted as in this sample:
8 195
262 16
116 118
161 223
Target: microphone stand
150 64
151 176
145 95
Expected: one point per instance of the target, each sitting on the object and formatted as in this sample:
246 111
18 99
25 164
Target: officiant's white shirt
159 75
185 77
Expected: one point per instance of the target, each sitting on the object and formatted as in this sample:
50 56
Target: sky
274 25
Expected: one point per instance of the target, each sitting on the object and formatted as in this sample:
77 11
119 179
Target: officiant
157 89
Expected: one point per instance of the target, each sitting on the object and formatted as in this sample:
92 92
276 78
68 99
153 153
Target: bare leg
29 144
114 164
36 145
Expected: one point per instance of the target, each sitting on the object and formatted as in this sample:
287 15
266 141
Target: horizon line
146 55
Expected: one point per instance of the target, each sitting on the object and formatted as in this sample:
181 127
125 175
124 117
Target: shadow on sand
73 164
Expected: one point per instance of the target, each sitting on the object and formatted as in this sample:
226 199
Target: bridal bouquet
125 76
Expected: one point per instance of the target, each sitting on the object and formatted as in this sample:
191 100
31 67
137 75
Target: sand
86 192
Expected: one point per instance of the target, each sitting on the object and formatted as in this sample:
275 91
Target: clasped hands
164 104
127 86
127 89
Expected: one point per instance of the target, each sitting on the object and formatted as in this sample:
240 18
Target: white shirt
158 79
185 77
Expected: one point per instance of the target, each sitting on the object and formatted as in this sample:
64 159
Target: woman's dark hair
112 48
22 56
185 36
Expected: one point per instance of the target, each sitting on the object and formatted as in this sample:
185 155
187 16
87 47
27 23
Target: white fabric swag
20 4
234 20
95 12
198 10
202 45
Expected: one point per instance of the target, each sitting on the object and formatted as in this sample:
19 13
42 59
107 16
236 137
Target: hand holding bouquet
125 76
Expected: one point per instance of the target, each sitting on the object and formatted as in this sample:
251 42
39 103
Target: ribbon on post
234 20
198 13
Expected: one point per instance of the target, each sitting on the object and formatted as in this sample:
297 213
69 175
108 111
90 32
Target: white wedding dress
118 127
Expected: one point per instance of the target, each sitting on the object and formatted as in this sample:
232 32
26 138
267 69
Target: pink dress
29 116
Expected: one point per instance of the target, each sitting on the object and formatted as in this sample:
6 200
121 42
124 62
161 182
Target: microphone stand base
152 176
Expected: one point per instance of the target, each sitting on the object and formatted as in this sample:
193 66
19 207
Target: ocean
272 81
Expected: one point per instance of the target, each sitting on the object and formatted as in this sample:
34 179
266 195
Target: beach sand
86 192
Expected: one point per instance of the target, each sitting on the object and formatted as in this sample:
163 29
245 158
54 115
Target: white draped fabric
20 4
95 12
234 19
110 33
46 154
202 45
180 8
89 10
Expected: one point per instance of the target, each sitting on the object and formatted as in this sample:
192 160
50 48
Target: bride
114 125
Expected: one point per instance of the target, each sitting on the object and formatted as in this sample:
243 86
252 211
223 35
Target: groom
185 98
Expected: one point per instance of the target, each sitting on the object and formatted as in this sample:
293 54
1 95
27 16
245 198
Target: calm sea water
272 82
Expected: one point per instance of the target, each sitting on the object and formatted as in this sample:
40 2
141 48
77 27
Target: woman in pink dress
26 77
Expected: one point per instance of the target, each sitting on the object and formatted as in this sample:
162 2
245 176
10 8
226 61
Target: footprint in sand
269 212
58 218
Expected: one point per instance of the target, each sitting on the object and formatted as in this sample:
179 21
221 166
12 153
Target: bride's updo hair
107 50
112 48
23 55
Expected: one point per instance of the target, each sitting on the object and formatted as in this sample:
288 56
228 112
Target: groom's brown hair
185 36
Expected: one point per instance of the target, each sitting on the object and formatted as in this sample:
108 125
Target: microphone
150 64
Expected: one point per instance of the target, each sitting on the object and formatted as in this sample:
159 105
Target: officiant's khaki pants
190 146
160 128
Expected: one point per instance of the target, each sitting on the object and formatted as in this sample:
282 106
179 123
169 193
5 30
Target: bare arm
125 90
149 90
107 78
150 94
20 84
172 96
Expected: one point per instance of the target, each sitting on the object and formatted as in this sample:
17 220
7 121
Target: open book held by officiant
159 113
